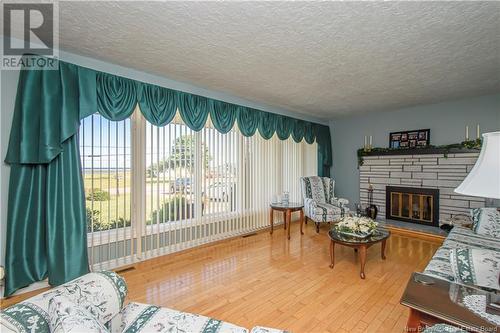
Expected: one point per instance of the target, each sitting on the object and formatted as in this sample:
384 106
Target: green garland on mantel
470 144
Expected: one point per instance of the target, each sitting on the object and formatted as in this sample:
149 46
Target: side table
287 210
438 301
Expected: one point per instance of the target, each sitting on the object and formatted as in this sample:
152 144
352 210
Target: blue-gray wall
446 121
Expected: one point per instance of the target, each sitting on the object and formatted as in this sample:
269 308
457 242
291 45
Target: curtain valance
158 105
115 98
48 109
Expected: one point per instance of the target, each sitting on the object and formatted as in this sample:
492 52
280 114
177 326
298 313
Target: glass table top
289 205
445 301
378 235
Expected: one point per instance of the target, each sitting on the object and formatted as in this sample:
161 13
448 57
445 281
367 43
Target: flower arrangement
357 226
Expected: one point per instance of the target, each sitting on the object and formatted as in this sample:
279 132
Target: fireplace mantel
421 151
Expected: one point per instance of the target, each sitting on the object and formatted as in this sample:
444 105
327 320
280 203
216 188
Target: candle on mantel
478 133
365 142
371 141
467 133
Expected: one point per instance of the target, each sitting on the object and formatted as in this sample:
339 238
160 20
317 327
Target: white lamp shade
484 178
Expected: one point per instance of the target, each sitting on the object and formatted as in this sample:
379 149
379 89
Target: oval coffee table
359 244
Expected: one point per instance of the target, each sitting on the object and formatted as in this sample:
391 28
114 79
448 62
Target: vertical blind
105 151
154 190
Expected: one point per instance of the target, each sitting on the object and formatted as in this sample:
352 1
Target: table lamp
484 178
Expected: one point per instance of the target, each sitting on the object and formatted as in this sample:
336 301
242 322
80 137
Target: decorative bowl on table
356 226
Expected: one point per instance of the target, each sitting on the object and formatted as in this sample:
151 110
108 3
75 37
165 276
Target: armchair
320 203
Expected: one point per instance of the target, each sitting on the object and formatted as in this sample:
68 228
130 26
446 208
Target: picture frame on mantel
410 139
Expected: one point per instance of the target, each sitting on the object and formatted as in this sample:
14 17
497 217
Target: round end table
287 210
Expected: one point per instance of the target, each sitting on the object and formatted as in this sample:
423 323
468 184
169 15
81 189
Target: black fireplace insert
412 204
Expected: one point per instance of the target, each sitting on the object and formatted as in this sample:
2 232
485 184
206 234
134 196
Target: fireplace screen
418 205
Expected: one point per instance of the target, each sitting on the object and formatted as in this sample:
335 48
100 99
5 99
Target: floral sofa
95 303
320 203
471 254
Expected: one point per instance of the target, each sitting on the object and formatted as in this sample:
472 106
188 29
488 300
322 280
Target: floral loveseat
95 303
320 203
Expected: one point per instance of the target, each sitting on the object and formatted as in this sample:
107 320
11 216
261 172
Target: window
106 165
154 190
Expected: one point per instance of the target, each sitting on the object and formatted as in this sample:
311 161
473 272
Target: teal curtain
223 115
309 135
248 120
324 141
267 125
158 105
116 96
46 225
65 216
283 127
298 130
193 109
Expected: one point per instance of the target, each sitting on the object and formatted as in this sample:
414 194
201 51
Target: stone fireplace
412 204
419 170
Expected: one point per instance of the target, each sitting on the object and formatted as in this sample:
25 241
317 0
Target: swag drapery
46 226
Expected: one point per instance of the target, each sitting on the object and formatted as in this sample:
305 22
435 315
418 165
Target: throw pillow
478 267
486 221
67 317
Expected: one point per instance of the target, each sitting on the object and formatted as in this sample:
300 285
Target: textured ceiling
326 59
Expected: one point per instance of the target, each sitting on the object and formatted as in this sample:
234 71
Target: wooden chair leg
306 218
317 228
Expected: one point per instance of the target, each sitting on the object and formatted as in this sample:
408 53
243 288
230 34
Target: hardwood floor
268 280
271 281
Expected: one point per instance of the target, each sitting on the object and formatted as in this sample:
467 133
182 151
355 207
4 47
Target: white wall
8 87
